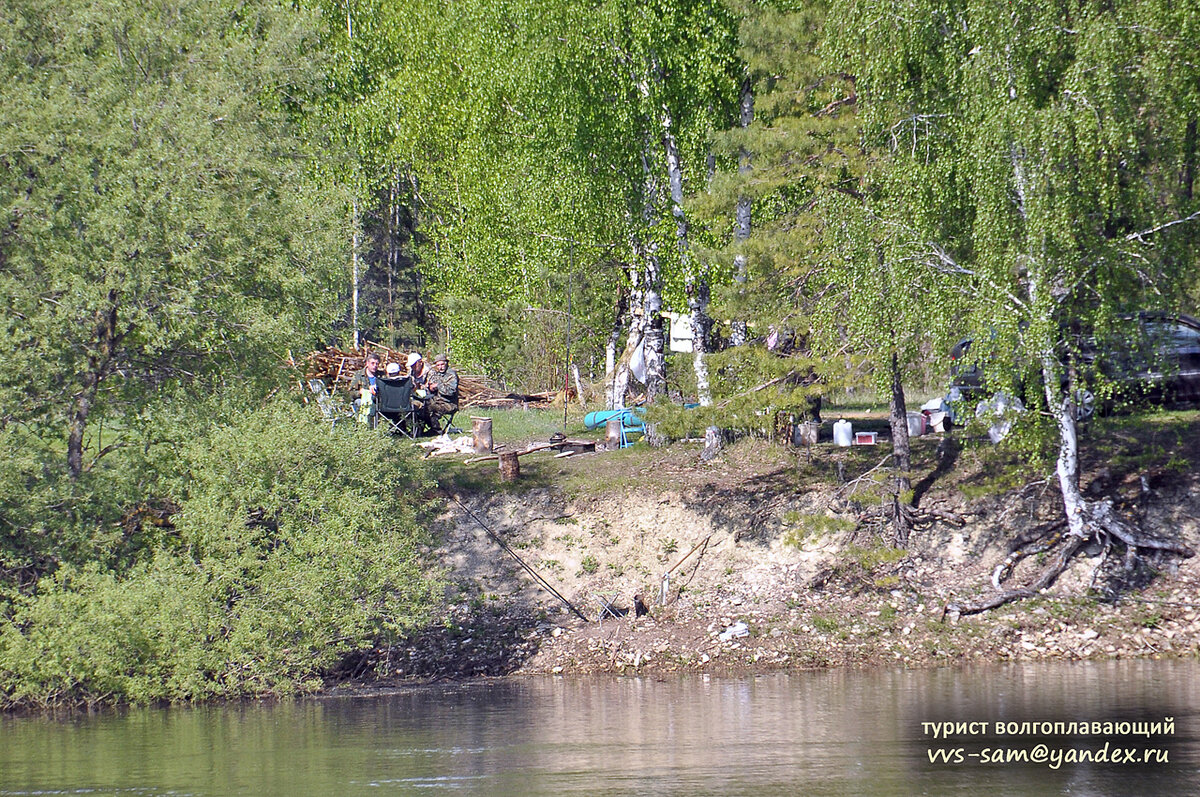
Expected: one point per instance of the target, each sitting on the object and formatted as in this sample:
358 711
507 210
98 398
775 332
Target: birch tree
1046 150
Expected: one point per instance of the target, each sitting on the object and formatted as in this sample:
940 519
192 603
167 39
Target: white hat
413 358
393 369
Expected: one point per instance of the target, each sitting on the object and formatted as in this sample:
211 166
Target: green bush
292 547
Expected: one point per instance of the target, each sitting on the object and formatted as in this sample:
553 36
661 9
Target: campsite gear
394 404
631 421
916 424
843 432
806 433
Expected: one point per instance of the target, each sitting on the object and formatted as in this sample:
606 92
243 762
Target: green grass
804 527
514 427
869 400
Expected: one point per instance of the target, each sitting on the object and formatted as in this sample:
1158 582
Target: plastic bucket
916 424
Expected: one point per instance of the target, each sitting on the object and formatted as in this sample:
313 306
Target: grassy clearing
870 402
1157 440
515 427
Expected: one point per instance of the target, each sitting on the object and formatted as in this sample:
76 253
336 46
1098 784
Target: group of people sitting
430 392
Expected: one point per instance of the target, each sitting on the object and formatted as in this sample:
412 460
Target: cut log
612 434
510 466
481 435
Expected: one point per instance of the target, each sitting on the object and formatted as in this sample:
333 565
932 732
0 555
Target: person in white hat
416 368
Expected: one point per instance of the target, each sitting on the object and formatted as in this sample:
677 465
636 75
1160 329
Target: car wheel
1085 404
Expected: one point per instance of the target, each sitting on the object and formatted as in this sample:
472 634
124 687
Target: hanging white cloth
637 362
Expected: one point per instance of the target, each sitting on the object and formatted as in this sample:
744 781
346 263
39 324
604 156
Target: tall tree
1045 150
161 229
798 148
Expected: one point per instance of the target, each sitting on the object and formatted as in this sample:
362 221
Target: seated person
420 397
363 383
416 368
393 401
442 385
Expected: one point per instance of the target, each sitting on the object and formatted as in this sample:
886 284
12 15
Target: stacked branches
336 367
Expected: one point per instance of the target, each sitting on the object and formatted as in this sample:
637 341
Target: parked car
1159 363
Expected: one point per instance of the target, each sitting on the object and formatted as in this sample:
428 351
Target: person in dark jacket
363 383
442 384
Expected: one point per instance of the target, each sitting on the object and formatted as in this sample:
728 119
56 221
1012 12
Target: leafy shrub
293 546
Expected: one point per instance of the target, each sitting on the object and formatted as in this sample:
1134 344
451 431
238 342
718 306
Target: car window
1185 337
1173 336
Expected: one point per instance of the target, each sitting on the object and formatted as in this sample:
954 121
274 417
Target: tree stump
806 433
714 441
510 466
481 435
612 434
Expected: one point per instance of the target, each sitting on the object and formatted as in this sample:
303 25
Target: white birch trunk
578 384
1059 406
696 284
610 351
354 264
742 214
656 373
618 387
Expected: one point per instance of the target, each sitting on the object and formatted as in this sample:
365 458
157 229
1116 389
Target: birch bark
742 213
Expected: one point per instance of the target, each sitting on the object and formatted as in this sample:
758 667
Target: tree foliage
289 549
161 230
1046 155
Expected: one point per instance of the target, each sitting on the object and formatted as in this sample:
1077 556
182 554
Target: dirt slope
789 565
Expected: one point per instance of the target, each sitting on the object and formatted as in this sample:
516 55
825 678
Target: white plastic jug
843 432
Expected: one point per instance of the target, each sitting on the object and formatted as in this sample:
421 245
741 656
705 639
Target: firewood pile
336 367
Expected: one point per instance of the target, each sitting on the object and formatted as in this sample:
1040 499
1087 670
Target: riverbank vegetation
274 550
823 195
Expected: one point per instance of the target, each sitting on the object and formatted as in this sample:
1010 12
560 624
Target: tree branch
1141 236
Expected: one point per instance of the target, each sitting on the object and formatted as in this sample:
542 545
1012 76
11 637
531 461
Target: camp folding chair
445 424
393 403
331 410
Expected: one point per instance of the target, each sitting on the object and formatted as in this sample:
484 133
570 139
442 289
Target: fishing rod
537 577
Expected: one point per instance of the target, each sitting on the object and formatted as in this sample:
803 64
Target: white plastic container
916 424
806 433
843 432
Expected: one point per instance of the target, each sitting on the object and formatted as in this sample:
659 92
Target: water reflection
830 733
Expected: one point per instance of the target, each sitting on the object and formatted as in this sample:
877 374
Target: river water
825 733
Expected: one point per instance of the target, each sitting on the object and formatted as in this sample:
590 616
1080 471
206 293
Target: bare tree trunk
902 452
100 365
1060 407
610 352
696 284
354 265
80 409
653 348
393 254
742 215
415 270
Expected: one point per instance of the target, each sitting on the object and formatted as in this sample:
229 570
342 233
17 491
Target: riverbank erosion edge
786 568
